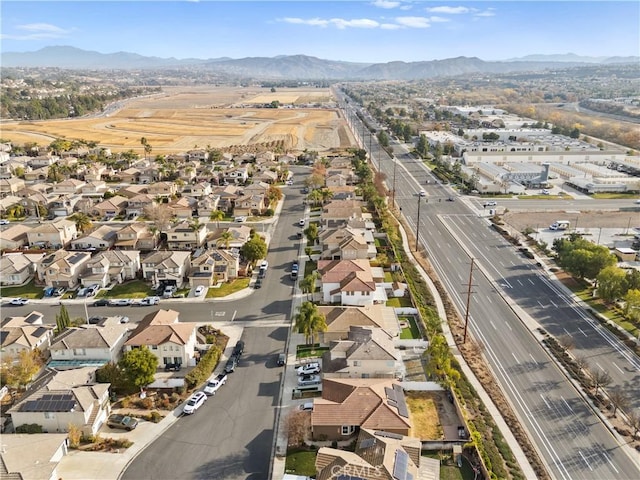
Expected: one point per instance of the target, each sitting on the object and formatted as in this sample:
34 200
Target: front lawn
310 351
301 462
309 267
410 332
132 289
29 290
228 288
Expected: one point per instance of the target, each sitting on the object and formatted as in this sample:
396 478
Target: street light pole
466 315
418 225
393 194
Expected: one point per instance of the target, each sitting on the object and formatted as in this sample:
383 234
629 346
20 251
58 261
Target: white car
490 203
19 301
423 193
289 182
121 302
309 369
199 290
4 221
214 384
301 222
194 403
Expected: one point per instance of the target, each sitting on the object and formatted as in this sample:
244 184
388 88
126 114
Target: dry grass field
424 415
182 118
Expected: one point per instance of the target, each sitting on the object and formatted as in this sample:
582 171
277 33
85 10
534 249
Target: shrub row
204 369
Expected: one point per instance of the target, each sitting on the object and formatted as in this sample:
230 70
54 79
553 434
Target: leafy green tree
54 174
633 279
422 148
254 249
19 373
309 321
139 366
312 233
82 221
582 258
315 197
612 283
308 283
62 319
632 304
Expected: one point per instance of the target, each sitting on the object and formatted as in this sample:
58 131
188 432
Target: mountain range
297 66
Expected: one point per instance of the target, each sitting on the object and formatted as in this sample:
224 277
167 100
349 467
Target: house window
49 415
356 363
347 429
154 347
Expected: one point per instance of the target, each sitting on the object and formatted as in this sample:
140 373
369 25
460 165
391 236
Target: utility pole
418 225
393 194
469 292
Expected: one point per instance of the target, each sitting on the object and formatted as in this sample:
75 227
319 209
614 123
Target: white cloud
385 4
413 22
487 13
36 31
390 26
339 23
435 19
449 10
315 22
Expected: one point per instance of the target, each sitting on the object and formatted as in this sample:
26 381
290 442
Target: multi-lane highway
568 434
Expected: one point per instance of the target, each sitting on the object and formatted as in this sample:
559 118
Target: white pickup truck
215 383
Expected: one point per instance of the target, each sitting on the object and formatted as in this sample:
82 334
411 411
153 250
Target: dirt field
586 219
182 119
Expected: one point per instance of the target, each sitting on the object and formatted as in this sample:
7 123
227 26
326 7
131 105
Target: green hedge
204 369
29 428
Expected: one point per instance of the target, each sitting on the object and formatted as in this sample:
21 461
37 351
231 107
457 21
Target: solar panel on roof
367 442
403 411
395 436
400 465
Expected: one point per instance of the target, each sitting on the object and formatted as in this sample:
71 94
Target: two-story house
166 267
162 189
130 175
14 237
238 175
183 207
55 234
168 339
197 190
111 266
18 334
208 204
339 320
137 204
62 268
101 238
136 236
71 397
89 345
367 352
250 205
10 186
17 268
186 236
350 282
111 207
212 266
347 243
71 186
94 188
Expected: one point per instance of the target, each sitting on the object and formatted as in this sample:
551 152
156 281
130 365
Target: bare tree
297 427
582 362
600 379
160 215
633 420
566 342
619 400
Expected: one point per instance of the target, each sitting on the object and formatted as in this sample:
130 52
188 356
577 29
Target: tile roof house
268 176
166 267
340 319
213 266
9 186
55 234
339 211
95 188
256 188
349 404
347 192
197 190
62 268
250 205
349 282
347 243
32 457
17 268
111 266
236 175
136 236
111 207
166 338
183 207
228 196
71 397
20 334
89 345
136 205
367 352
208 204
101 238
68 187
162 189
378 456
14 237
186 236
130 175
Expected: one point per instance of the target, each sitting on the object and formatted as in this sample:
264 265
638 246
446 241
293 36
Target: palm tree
83 222
315 197
216 216
326 195
308 283
309 321
225 238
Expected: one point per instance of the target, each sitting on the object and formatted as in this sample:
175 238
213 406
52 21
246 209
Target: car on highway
123 422
103 302
308 369
199 290
121 302
450 199
231 364
491 203
194 403
19 301
214 384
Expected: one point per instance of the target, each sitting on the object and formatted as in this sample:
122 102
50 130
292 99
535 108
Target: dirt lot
183 118
586 219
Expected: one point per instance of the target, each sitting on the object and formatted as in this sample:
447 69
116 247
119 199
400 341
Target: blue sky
357 31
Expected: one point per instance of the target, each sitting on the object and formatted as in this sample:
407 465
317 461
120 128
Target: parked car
282 360
94 320
289 182
301 222
306 406
307 380
59 291
423 193
240 219
103 302
48 292
231 365
4 221
123 422
264 265
121 302
199 290
92 290
309 368
19 301
124 319
239 348
147 301
194 403
491 203
214 384
168 291
258 283
172 367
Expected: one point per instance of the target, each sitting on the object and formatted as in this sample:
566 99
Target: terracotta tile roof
161 327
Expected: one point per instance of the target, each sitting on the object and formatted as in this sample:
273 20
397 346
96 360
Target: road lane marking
566 403
233 317
531 281
545 401
585 460
541 305
619 369
515 358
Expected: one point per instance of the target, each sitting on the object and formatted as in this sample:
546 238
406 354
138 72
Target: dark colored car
172 367
258 283
122 421
103 302
231 365
282 360
239 348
